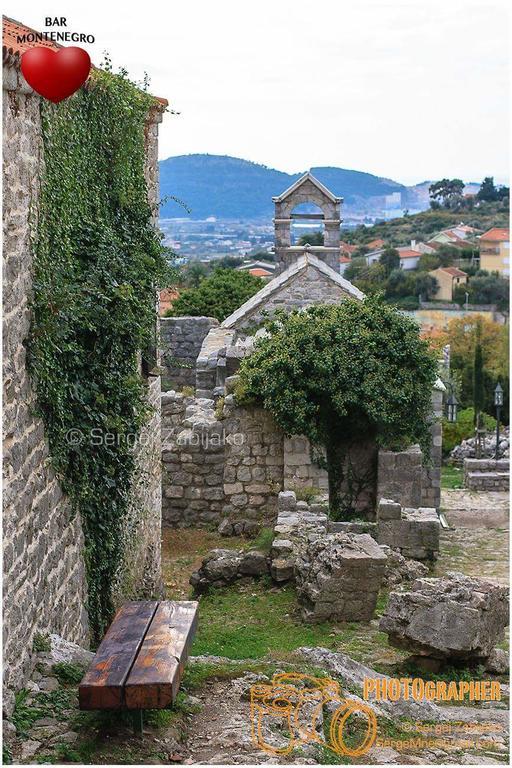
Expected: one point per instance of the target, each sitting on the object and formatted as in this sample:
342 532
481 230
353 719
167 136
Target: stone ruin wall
181 339
228 467
232 466
44 575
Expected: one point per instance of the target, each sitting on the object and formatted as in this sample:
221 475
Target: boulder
254 563
498 662
452 618
224 566
61 651
338 577
400 569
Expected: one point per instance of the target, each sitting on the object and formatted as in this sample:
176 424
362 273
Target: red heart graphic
55 74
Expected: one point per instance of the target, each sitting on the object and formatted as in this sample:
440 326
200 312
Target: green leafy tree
312 238
334 373
478 381
487 191
425 285
194 274
399 284
485 288
218 295
390 260
357 269
228 262
428 261
447 192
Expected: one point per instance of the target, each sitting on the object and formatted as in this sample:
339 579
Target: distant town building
167 297
458 236
344 262
409 257
448 279
495 250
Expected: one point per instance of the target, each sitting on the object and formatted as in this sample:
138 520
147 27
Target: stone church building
231 461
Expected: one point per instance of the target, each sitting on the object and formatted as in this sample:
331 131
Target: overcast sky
408 89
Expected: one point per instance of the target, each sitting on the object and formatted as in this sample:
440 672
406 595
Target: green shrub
306 493
41 642
217 296
463 428
69 673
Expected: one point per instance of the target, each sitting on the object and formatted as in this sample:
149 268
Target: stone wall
44 578
218 465
431 478
400 476
487 474
360 471
44 575
140 574
181 341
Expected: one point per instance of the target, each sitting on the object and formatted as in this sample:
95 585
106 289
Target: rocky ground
211 722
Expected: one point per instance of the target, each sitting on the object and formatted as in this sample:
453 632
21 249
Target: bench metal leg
138 723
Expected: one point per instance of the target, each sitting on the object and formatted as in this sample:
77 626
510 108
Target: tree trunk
335 456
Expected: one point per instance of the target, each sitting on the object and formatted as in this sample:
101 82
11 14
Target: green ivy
98 262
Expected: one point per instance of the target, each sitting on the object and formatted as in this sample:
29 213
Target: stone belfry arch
307 189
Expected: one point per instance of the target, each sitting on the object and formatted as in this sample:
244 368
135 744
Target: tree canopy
342 372
218 295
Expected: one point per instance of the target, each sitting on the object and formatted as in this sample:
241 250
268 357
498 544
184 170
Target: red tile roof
497 234
408 253
453 271
259 272
347 248
11 29
345 260
374 244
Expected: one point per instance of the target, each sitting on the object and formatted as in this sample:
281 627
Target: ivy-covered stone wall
45 583
44 577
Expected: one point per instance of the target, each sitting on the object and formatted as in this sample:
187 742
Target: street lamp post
498 402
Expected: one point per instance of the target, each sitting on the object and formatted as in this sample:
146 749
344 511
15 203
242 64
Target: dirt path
478 542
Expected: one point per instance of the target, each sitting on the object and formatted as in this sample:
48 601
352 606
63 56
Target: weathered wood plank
103 684
157 671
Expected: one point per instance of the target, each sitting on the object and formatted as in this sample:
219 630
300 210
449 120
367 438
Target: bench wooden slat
103 684
157 671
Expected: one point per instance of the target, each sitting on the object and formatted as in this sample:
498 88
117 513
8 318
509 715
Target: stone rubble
451 618
467 448
415 532
221 567
338 577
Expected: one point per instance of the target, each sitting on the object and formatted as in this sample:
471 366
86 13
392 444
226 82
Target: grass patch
263 540
452 477
257 620
306 493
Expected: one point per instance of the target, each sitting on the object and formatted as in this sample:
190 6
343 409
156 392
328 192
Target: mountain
230 188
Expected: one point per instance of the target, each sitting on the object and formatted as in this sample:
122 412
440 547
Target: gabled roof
302 263
307 177
408 253
453 271
373 245
497 234
268 265
259 272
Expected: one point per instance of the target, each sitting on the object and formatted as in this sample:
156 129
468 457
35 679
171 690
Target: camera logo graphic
294 702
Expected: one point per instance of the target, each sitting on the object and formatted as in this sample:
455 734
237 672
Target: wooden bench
140 661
